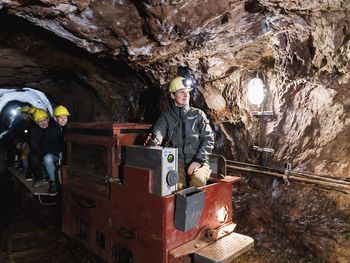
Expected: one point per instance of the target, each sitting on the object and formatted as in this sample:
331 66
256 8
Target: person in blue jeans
53 142
36 153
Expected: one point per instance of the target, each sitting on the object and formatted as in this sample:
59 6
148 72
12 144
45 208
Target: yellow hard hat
32 110
178 83
40 115
60 111
25 109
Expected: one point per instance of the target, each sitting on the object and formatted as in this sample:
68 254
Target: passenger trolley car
119 199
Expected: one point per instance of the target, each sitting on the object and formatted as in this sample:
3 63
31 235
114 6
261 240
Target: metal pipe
290 177
322 178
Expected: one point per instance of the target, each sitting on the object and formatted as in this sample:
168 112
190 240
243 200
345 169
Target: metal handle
108 179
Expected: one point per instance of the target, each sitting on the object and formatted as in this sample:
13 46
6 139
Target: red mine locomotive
120 200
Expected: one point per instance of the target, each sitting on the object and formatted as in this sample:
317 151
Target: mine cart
120 200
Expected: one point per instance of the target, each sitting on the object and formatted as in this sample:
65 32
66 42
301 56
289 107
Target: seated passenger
187 129
36 154
31 112
26 151
52 144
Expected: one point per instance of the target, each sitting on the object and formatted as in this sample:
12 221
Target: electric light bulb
256 91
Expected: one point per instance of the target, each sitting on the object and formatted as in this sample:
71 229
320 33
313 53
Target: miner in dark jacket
187 129
52 144
36 154
20 135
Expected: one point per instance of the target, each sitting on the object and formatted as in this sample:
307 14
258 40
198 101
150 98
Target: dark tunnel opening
93 86
13 99
8 114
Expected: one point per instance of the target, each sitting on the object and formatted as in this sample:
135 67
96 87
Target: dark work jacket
52 141
35 136
187 129
19 131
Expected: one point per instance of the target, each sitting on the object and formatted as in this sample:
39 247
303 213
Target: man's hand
151 140
149 136
193 167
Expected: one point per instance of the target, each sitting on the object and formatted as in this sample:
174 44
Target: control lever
153 141
108 179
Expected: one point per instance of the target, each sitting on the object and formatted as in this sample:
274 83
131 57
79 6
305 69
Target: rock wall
296 223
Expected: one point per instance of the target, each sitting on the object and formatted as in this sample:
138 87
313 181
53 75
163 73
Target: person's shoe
10 164
28 177
38 183
46 181
19 165
53 188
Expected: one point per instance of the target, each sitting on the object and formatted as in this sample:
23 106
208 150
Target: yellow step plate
225 249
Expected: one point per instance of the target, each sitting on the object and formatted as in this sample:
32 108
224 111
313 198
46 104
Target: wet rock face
121 55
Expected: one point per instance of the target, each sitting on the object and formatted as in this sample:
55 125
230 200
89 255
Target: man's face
181 97
61 120
43 124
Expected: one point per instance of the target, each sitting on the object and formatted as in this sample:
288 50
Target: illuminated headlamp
256 91
13 112
187 82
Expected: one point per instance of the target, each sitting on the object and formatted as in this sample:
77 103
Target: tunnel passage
13 99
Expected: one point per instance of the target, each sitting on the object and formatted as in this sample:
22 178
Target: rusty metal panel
217 195
85 218
152 217
93 154
106 128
